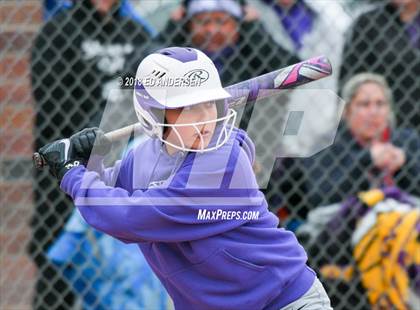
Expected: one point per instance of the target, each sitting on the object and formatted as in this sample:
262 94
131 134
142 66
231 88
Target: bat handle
38 161
122 133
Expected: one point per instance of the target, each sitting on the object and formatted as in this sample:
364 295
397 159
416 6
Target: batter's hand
84 141
60 157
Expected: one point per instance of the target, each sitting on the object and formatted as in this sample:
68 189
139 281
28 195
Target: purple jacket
213 262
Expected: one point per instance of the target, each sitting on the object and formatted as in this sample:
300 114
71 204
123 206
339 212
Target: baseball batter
188 196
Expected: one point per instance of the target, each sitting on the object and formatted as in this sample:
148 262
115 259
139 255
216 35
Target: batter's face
212 31
190 136
368 113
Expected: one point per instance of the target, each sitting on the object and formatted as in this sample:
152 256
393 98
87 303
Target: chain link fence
60 60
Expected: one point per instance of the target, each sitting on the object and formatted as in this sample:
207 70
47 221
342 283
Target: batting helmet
178 77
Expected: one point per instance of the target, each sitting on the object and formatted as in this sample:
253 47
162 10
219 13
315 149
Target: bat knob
38 160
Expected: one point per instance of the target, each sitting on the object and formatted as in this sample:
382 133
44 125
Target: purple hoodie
154 199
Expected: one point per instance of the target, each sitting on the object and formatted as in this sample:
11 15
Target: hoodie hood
247 145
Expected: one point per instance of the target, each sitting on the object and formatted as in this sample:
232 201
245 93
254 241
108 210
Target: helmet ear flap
148 127
159 115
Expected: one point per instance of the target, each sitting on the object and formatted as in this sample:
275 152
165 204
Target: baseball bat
290 77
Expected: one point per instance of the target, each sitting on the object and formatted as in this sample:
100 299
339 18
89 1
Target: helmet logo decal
199 75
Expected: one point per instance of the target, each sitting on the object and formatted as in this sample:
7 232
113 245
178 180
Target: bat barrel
292 76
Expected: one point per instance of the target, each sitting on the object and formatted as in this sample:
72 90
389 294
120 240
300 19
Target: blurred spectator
301 26
368 152
240 49
368 252
76 59
157 13
386 40
309 29
52 7
248 12
105 272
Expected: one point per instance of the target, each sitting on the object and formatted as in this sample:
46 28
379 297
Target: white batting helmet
177 77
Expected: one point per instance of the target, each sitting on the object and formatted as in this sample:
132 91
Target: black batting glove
60 157
84 141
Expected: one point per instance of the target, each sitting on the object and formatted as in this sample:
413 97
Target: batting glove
84 141
60 157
